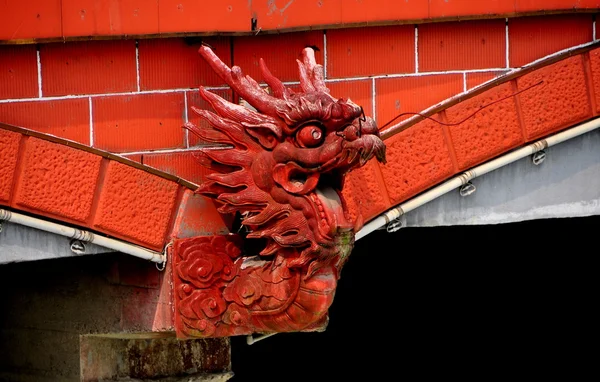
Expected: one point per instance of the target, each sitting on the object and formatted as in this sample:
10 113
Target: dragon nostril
298 178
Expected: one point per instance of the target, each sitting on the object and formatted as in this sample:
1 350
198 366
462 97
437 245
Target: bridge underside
566 184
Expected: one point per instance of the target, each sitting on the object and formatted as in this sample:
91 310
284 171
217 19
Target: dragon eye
310 136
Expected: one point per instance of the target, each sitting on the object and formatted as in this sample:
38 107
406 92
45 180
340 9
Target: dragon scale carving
283 172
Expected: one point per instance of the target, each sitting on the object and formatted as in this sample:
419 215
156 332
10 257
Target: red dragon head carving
286 163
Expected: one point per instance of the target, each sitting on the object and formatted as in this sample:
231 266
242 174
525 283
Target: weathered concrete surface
48 304
21 243
145 356
200 377
566 184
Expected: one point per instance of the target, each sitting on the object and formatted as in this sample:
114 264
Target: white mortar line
325 53
170 151
553 54
39 71
183 90
416 49
504 70
507 46
420 74
464 82
186 137
91 123
374 113
137 64
58 98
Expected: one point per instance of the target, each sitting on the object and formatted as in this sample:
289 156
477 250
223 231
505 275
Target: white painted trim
552 55
325 54
186 137
91 122
507 46
171 151
78 96
420 74
39 72
416 49
373 100
464 82
84 236
137 64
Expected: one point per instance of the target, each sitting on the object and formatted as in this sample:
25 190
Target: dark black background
478 302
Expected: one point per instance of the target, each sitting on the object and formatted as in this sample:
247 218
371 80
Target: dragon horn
279 90
244 85
312 75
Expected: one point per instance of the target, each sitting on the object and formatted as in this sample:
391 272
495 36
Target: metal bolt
78 247
538 158
394 225
467 189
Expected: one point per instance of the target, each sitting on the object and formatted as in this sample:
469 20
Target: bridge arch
527 104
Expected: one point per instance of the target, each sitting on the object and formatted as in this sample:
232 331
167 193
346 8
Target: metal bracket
78 247
161 266
538 158
250 339
467 189
394 225
5 215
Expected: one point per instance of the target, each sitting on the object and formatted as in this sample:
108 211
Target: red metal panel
535 37
27 19
279 52
136 205
494 130
413 94
462 45
48 18
67 118
182 164
418 158
57 180
134 157
474 79
109 17
451 8
90 67
18 72
365 193
209 16
370 51
360 92
595 76
359 11
198 215
561 101
9 148
174 63
540 5
285 14
138 122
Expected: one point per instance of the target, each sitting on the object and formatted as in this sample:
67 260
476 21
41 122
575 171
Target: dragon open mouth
329 206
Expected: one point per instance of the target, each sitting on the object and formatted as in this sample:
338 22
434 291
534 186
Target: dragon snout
361 150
